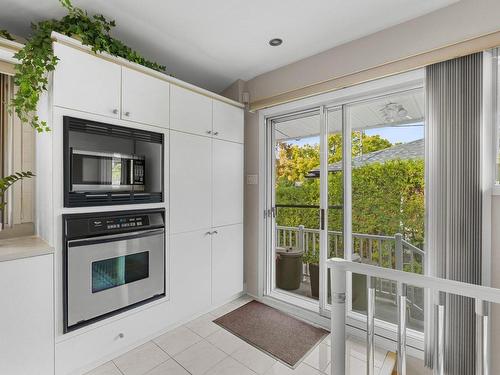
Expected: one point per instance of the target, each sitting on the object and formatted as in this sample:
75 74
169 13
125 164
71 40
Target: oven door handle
115 237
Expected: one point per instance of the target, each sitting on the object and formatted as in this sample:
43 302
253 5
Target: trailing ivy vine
5 34
37 57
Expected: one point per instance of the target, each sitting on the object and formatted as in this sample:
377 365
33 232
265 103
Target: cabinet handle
121 335
215 232
216 133
208 233
209 132
115 111
127 114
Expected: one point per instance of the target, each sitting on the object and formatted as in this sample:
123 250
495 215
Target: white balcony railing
482 295
383 251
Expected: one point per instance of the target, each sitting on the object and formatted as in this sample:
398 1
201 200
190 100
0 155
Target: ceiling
213 43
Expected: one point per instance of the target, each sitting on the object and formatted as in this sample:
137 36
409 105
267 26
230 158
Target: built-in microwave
106 164
106 171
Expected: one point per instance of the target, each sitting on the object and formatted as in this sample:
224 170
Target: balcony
391 252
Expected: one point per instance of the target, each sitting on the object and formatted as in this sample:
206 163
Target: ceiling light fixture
275 42
394 112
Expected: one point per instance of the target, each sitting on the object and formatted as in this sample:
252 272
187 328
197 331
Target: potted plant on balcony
312 260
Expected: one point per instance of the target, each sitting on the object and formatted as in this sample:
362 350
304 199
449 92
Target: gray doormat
278 334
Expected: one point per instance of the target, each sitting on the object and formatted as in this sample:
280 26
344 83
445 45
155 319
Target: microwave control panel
138 172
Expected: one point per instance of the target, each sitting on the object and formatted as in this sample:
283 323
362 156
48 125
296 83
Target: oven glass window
113 272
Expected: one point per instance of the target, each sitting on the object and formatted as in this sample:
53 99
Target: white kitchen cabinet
27 316
228 122
145 98
190 182
191 269
86 83
227 262
227 185
190 112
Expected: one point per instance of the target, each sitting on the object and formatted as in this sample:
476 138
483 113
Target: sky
400 134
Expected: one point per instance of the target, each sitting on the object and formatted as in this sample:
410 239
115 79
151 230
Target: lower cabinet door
227 262
190 267
27 316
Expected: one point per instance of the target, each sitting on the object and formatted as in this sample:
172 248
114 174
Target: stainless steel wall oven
107 164
111 262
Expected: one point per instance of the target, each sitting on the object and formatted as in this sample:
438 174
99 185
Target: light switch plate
252 179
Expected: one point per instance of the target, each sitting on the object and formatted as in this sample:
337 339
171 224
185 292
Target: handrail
435 283
413 247
482 296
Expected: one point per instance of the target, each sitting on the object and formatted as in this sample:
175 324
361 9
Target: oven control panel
120 222
85 225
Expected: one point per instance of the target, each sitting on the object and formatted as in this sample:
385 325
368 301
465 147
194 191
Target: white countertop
23 247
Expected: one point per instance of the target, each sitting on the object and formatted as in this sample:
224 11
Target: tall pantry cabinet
206 200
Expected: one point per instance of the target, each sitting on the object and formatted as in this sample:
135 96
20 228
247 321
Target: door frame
365 91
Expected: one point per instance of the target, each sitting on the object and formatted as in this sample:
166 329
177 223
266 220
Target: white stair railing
482 295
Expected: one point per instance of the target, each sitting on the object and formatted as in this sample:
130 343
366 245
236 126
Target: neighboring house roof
404 151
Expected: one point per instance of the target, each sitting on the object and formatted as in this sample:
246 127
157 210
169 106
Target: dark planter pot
288 270
314 277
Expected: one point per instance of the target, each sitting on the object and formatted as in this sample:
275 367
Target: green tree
387 198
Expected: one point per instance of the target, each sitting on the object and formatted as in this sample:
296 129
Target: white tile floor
202 347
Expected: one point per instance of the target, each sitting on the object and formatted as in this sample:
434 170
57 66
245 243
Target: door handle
119 236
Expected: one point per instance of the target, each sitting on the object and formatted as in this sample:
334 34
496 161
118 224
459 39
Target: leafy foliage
5 34
387 198
7 182
37 57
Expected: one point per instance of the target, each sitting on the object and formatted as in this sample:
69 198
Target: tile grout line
244 365
169 358
119 369
180 364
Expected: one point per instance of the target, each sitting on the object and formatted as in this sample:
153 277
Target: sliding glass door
295 213
346 180
387 197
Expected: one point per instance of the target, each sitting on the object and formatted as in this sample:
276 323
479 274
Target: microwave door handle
120 236
71 168
131 172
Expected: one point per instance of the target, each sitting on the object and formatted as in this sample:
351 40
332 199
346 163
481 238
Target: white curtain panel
454 199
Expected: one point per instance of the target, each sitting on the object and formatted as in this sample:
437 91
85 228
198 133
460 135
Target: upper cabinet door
227 183
228 122
145 98
190 112
86 83
190 182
